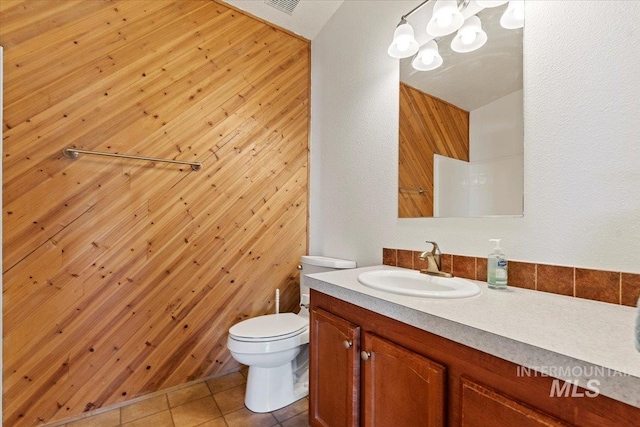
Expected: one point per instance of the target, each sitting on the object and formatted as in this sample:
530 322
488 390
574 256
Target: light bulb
444 20
428 57
403 45
468 36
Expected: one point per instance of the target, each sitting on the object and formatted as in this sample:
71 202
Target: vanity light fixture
491 3
513 17
447 17
470 36
404 43
428 58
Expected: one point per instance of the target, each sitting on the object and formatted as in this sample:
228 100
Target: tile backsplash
606 286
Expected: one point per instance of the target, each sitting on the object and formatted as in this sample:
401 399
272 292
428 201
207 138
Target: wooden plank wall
122 277
428 126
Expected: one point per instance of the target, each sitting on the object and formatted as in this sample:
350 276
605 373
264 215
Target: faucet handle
436 249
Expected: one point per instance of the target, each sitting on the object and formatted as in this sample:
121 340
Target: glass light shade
491 3
404 43
428 58
446 18
470 36
513 17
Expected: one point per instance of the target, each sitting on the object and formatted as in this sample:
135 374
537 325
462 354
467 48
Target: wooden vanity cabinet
334 368
399 387
482 406
369 370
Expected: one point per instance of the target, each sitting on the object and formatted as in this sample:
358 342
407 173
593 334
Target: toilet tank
318 264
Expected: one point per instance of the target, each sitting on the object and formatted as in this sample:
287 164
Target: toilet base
269 389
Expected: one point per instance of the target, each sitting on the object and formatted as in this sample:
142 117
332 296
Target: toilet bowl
271 345
276 347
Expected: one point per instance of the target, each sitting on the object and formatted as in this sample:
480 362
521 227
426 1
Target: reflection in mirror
461 124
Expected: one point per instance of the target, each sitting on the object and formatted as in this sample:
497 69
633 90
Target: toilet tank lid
321 261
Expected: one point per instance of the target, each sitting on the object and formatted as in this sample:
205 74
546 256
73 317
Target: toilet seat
276 347
270 327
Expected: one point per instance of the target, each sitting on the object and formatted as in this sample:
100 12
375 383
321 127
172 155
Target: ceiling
307 18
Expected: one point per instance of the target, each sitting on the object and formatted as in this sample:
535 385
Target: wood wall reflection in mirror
428 126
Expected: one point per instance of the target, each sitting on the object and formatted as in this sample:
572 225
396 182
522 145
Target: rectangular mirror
462 124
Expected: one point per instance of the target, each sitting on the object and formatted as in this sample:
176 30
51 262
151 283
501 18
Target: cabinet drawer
483 407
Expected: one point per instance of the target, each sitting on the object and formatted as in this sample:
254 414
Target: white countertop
569 338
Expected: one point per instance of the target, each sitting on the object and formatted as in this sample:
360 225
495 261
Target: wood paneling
428 126
122 277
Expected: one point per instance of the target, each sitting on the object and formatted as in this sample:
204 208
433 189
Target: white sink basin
416 284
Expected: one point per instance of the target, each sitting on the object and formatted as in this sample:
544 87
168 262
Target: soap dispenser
497 267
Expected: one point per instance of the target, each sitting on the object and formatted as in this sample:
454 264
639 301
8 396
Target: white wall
474 189
495 186
497 129
582 132
451 196
496 141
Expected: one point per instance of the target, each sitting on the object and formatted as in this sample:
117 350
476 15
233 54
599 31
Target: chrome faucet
434 263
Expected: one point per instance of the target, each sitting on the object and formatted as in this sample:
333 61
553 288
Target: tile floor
218 402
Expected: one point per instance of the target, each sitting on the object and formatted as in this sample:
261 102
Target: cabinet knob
365 355
299 266
347 344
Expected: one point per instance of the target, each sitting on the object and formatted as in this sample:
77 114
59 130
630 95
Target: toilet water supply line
277 301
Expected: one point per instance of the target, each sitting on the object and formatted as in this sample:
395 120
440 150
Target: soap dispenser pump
497 267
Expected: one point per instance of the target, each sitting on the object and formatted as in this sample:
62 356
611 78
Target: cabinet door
400 388
483 407
334 371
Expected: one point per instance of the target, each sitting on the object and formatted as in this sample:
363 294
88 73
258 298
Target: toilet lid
277 326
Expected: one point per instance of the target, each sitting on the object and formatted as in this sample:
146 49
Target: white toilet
276 347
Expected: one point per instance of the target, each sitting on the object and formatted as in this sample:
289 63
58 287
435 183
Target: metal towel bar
72 153
419 190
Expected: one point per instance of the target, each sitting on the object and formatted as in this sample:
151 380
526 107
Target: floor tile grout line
275 420
155 394
166 397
